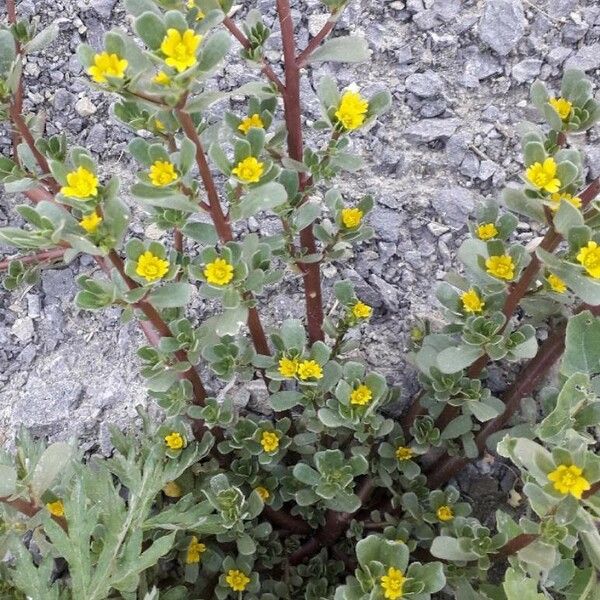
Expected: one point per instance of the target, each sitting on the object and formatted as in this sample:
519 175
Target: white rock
23 329
85 107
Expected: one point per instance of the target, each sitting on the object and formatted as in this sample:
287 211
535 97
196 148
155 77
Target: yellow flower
361 396
91 222
486 231
309 369
159 125
56 508
174 440
161 78
556 284
501 267
562 106
194 551
556 198
361 310
269 441
569 480
392 584
471 301
252 121
151 267
351 217
218 272
82 184
237 580
589 257
107 65
172 489
352 110
249 170
263 492
404 453
444 513
288 367
162 173
180 50
543 176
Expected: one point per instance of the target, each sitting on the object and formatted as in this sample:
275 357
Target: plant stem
45 256
293 120
527 380
221 222
245 42
314 43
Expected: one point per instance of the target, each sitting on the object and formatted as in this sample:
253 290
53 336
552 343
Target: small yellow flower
162 173
361 396
543 176
249 122
91 222
361 310
288 367
556 198
392 584
56 508
471 301
309 369
562 106
487 231
194 551
151 267
249 170
351 217
218 272
501 267
237 580
172 489
568 479
174 440
556 284
444 513
352 110
404 453
269 441
161 78
107 65
81 184
159 125
589 257
192 4
179 49
263 492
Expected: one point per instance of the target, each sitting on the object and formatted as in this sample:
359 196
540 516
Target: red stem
46 255
314 43
293 119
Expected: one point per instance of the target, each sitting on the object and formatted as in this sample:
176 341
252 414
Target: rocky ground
459 72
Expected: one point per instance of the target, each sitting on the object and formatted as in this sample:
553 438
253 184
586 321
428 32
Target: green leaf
205 233
51 464
171 295
517 201
520 587
7 51
349 49
151 29
582 345
8 480
448 548
285 400
42 39
454 359
262 198
163 198
306 474
214 50
567 217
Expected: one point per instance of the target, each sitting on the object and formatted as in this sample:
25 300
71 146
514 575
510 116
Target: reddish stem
45 256
314 43
293 119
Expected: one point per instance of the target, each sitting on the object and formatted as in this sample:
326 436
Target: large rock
502 25
425 85
454 204
430 130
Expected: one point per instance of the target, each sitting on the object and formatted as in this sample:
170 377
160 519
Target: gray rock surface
459 72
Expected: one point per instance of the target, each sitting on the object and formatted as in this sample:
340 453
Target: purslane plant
325 495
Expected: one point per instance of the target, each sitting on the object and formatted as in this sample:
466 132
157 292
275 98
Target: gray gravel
459 72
